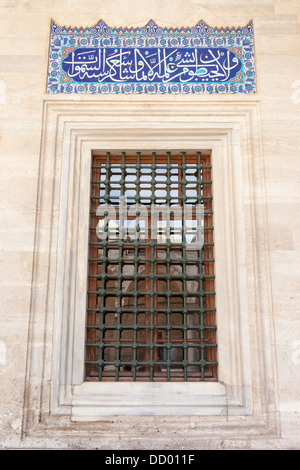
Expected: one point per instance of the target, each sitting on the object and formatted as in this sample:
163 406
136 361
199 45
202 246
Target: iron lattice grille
151 301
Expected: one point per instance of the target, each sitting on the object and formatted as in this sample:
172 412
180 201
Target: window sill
91 401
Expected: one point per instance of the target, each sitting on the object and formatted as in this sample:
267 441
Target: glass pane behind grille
151 300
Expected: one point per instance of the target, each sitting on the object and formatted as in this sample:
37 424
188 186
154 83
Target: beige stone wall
24 43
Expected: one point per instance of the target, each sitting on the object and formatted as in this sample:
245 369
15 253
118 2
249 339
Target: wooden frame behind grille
101 335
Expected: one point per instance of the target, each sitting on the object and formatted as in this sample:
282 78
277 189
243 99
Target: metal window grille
151 301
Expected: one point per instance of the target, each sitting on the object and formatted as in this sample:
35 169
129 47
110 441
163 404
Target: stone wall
25 29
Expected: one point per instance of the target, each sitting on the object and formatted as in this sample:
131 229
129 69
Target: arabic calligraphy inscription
151 60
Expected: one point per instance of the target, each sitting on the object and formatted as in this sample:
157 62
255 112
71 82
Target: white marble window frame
72 131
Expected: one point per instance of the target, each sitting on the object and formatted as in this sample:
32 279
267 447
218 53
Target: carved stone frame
246 393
